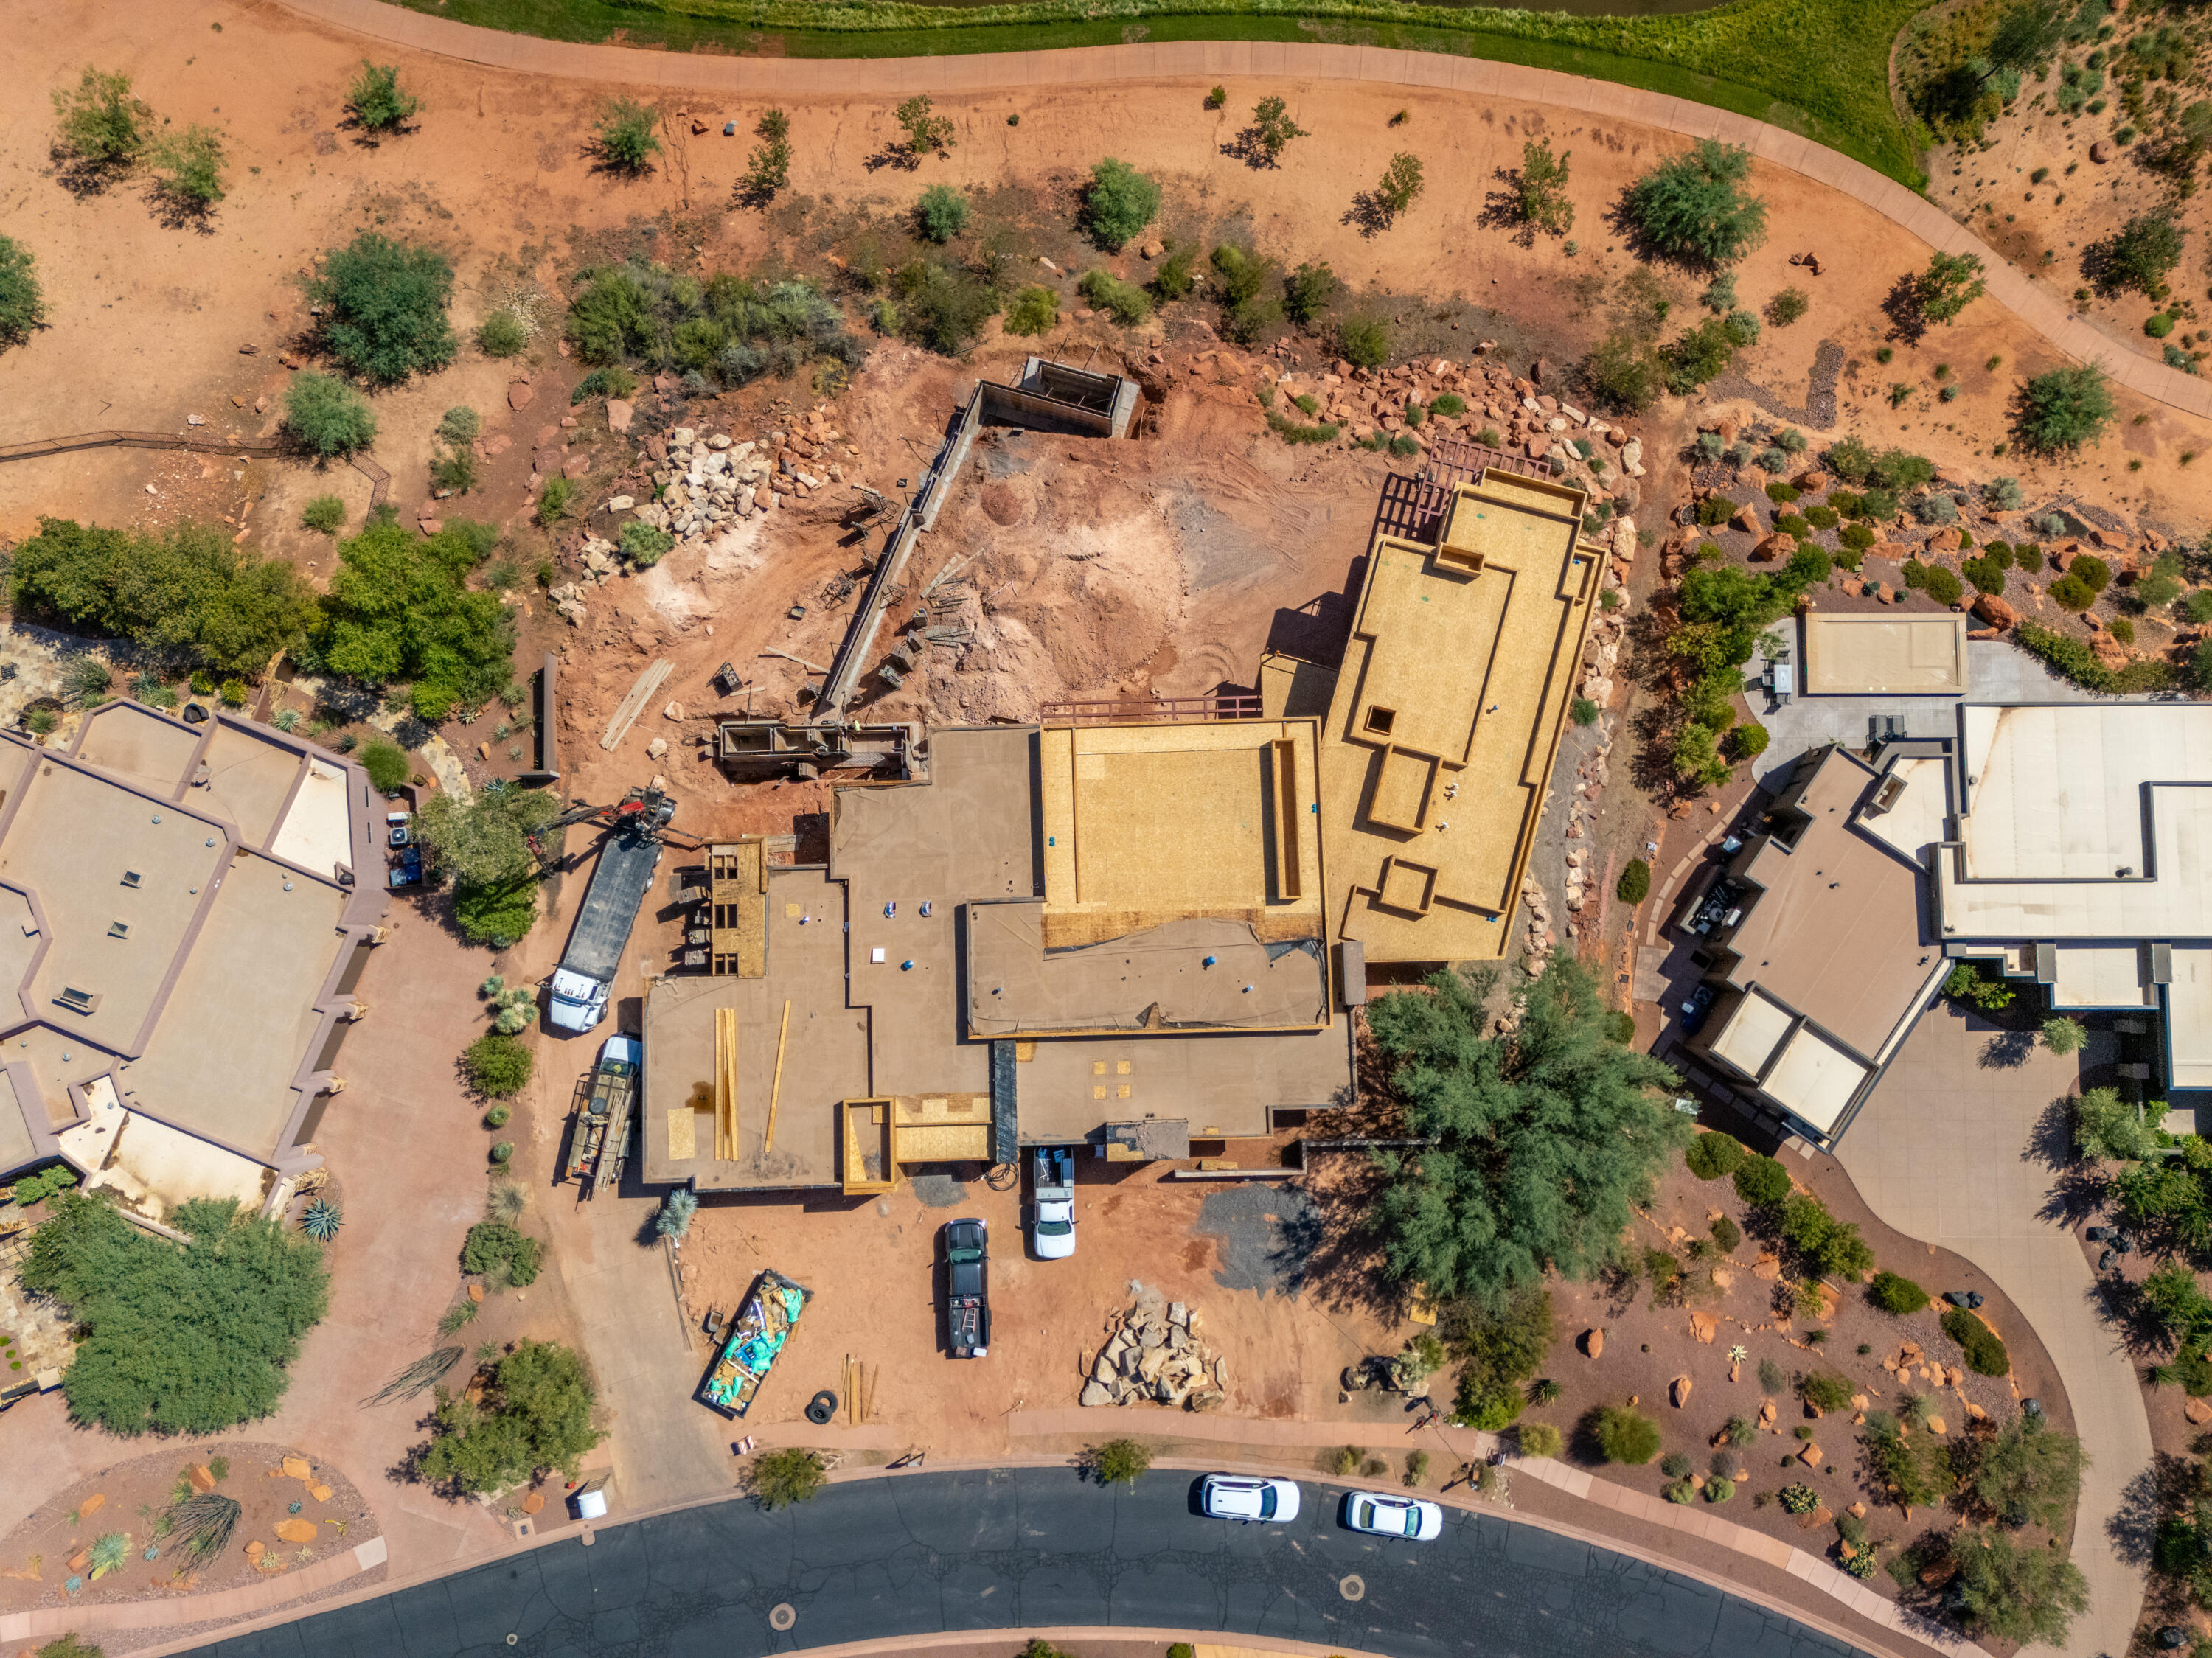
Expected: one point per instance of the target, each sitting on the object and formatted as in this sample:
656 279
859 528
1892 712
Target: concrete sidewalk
2038 305
1951 1148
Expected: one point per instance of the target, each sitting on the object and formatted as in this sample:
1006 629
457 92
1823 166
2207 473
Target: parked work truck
628 858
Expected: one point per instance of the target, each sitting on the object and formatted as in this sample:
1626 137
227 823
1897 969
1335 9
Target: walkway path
1951 1149
2037 304
1032 1548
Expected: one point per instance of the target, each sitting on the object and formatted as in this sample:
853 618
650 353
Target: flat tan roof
1885 655
1445 717
1838 932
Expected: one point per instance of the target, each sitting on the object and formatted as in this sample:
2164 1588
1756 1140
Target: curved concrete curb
2034 303
910 1641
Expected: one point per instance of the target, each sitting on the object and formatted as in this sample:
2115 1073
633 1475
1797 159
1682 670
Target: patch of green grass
1818 68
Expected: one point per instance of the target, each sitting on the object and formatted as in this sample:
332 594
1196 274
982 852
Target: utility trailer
756 1335
605 1110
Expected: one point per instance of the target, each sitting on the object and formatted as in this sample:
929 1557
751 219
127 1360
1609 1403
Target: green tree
1540 189
1401 182
22 302
1914 1469
1273 129
925 130
190 1337
1034 310
1951 284
387 764
1699 761
2063 1036
627 141
1896 1296
2062 409
190 162
2138 255
535 1415
326 416
1119 203
1635 883
942 213
1966 982
191 596
1832 1248
102 127
2019 1592
768 169
1694 207
1623 374
385 307
777 1479
399 609
1499 1349
376 101
2029 1471
2027 30
485 840
1546 1138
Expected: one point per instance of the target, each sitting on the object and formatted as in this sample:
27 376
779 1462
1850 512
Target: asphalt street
1033 1548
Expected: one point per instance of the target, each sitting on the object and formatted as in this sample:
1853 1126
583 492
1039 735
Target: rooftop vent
129 877
78 1001
119 929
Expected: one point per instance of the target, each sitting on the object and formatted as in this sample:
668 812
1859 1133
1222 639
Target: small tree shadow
2008 1050
1370 214
1246 147
84 176
905 157
1908 320
2154 1494
601 161
1501 209
176 210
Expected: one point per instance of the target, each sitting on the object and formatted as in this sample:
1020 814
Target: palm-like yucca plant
322 1220
203 1525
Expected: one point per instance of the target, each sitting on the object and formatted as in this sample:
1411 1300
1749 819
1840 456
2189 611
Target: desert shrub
1116 1463
387 765
2062 409
32 1190
1364 340
190 162
1967 982
767 168
1582 711
1986 573
385 309
729 327
645 544
1499 1351
1719 1488
1943 584
460 424
455 472
1714 1154
326 416
1540 189
1674 1465
100 124
497 1066
1623 372
22 302
190 1337
376 101
1241 280
2074 659
2138 255
1540 1439
941 307
1119 203
2019 1592
1824 1390
1896 1296
535 1415
1761 1180
2029 1471
1787 307
1307 290
925 131
1635 883
625 136
1126 302
1726 1234
941 213
777 1479
1985 1352
2063 1036
1625 1437
1034 310
503 334
496 913
1401 183
1700 355
1799 1498
1745 742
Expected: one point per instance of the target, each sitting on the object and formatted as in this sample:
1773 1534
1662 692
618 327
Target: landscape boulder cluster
1156 1356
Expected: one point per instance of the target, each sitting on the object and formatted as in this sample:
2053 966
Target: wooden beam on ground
726 1084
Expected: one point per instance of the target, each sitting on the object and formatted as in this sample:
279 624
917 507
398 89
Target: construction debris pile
1156 1356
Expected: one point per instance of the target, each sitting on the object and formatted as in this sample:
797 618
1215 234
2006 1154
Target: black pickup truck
967 1288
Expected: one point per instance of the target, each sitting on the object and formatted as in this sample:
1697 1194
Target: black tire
822 1408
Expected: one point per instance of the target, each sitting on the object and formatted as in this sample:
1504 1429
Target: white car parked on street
1241 1496
1393 1517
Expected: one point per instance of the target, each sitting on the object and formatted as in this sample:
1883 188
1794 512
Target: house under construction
1136 935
